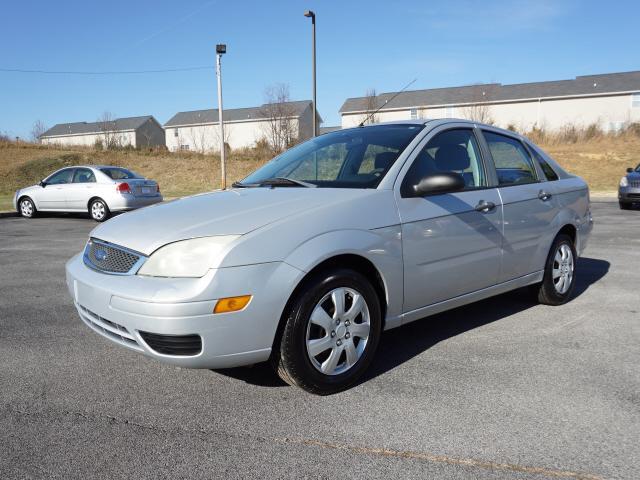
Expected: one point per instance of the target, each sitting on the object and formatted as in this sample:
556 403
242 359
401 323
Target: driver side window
449 151
63 176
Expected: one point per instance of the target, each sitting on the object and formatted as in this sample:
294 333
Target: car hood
229 212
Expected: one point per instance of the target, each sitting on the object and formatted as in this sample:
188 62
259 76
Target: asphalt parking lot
501 389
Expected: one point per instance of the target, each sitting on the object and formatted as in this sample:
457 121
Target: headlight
187 258
624 182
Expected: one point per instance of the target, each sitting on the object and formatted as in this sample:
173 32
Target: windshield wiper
275 182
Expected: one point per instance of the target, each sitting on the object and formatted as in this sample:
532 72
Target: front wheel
99 210
331 332
27 208
625 206
559 274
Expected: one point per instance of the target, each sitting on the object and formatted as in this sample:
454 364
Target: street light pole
221 50
312 15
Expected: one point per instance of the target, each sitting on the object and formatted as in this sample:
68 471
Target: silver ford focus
96 189
307 260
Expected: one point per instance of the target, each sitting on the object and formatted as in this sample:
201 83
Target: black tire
27 208
546 292
290 358
99 210
625 206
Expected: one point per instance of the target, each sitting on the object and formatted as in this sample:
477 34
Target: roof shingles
81 128
496 92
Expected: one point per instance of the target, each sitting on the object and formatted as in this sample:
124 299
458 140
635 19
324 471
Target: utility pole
312 15
221 49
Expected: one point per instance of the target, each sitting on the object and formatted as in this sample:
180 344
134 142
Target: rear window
513 163
119 173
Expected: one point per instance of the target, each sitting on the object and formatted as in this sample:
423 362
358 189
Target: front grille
634 183
180 345
108 328
109 258
633 195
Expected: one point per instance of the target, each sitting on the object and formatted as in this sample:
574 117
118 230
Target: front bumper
629 194
128 201
120 307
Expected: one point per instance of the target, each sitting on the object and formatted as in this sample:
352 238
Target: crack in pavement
385 452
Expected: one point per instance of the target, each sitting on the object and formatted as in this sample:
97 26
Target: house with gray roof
610 100
199 130
137 132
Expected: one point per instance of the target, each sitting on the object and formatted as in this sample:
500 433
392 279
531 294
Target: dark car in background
629 189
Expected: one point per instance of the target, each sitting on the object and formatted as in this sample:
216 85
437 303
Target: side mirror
629 170
445 182
42 183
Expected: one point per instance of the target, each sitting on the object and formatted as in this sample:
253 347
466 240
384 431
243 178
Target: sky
361 45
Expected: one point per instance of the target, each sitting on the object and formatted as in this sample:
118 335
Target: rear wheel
559 274
331 332
99 210
27 208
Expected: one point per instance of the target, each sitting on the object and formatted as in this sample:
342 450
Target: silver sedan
307 260
98 190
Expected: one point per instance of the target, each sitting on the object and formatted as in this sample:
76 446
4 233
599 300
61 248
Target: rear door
451 242
528 205
81 189
53 196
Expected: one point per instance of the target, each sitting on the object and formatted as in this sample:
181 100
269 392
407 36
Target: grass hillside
600 160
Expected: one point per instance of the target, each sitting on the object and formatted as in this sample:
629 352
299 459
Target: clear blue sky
379 44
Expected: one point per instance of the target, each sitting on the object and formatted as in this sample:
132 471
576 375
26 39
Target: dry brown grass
599 158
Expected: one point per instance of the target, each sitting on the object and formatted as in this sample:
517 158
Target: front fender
382 247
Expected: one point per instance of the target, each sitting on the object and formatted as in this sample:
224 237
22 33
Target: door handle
544 196
485 207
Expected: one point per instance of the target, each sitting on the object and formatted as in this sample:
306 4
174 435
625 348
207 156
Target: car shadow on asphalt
401 344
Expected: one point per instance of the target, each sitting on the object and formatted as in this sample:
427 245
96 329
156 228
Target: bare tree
227 136
198 138
37 130
108 129
479 109
371 105
280 124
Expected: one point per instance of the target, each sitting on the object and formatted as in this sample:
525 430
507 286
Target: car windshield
353 158
119 173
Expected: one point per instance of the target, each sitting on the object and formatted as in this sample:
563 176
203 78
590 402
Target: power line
125 72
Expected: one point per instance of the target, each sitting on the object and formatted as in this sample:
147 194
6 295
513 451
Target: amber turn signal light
231 304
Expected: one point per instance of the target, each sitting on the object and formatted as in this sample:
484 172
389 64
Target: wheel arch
96 197
352 261
22 197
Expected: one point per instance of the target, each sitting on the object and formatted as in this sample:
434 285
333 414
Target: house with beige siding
199 130
136 132
611 101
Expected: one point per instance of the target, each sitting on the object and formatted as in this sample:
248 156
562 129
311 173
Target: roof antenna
386 102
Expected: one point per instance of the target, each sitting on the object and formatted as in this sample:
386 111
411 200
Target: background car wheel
99 210
625 206
559 273
331 332
27 208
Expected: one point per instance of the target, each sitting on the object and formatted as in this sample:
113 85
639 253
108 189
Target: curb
8 214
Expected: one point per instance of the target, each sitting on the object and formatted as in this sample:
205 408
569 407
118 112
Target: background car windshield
119 173
354 158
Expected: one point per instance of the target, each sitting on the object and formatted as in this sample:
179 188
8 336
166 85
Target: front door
53 196
451 242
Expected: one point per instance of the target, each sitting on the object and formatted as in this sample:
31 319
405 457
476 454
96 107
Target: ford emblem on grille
101 255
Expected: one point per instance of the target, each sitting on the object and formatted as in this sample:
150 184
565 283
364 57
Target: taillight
123 188
158 188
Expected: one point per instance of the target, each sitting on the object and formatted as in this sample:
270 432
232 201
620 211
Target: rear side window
546 168
119 173
61 177
83 175
513 163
